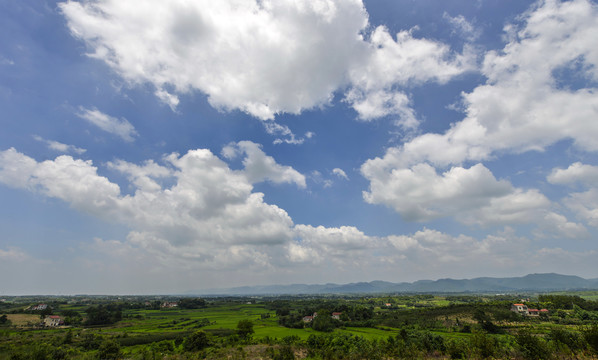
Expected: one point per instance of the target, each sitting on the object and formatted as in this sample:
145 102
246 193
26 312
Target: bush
573 341
531 346
456 349
109 350
483 344
196 341
591 336
148 339
245 328
284 352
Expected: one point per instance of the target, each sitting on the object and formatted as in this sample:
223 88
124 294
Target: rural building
37 307
523 310
519 308
53 320
169 304
310 318
336 315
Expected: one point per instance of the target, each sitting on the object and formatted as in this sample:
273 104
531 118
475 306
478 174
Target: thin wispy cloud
58 146
119 127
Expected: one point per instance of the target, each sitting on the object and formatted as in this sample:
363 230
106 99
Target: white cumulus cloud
260 167
542 113
575 173
209 209
264 57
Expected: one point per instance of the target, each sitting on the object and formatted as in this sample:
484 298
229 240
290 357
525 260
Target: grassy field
23 319
588 295
225 317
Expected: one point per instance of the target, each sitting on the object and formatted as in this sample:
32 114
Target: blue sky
180 146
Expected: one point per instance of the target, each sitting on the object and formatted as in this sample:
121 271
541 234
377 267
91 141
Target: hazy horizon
209 292
171 146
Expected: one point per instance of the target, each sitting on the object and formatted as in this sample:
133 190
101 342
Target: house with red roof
519 308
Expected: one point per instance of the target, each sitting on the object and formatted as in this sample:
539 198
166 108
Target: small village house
519 308
169 305
53 320
310 318
522 309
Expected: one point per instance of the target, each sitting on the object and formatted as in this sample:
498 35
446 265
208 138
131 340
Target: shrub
591 336
109 350
196 341
531 346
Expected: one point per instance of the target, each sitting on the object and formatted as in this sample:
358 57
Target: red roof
544 310
54 317
518 304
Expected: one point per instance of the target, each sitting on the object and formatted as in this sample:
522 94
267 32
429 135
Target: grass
370 333
225 317
588 294
23 319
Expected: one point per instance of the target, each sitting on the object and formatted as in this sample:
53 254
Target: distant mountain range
531 282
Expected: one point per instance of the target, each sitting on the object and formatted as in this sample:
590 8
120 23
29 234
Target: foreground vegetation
384 327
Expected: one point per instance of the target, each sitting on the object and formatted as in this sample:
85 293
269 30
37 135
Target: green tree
561 337
192 303
285 352
532 347
323 322
68 337
483 344
196 341
109 350
245 329
591 336
103 315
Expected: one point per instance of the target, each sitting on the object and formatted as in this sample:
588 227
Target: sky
177 146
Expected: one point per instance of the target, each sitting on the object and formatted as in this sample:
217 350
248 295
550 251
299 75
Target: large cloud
192 213
345 245
584 204
262 57
522 107
378 84
209 211
472 195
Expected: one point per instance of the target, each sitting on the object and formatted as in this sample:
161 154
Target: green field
394 327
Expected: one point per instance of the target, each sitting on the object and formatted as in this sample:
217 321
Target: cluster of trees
103 314
407 344
192 303
410 344
355 315
567 302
